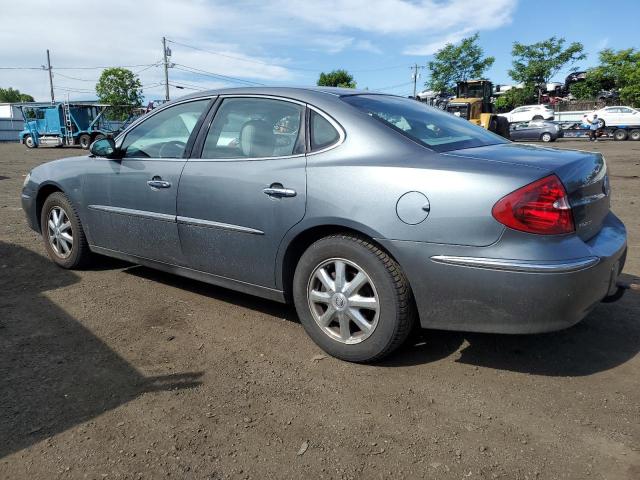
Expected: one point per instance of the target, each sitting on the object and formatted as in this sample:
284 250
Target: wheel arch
299 239
44 191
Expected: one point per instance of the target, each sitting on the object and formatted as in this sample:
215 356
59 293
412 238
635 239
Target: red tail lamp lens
541 207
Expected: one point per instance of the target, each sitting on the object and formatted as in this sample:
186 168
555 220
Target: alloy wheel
60 232
343 301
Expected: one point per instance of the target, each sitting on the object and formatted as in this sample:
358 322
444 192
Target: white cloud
251 34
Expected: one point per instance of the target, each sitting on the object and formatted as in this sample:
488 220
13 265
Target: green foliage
617 70
122 89
514 98
623 68
537 63
12 95
460 62
336 78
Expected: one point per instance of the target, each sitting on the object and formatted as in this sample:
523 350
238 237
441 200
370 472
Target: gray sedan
371 213
536 130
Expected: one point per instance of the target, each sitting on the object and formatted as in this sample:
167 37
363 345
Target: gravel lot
124 372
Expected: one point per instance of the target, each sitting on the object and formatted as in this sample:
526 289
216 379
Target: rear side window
323 134
440 131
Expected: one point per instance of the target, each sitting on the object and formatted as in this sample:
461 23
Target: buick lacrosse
371 213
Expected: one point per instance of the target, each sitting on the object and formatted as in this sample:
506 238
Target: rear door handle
278 191
157 182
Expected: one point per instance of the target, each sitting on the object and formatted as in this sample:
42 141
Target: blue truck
66 124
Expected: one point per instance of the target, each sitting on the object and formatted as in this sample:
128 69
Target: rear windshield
433 128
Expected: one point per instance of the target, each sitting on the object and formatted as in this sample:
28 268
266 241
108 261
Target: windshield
433 128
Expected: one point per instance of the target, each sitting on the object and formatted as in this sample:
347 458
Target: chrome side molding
198 222
519 265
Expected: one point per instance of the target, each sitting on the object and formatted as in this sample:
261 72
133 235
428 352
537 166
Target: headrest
257 139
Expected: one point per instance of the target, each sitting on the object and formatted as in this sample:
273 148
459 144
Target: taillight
541 207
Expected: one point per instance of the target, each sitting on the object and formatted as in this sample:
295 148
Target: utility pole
415 77
50 76
166 69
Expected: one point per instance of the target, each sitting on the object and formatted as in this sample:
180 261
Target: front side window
255 128
323 134
428 126
165 134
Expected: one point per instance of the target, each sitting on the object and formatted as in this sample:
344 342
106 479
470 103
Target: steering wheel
177 146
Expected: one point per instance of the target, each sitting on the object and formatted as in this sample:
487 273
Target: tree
454 63
535 64
336 78
617 70
12 95
514 98
122 89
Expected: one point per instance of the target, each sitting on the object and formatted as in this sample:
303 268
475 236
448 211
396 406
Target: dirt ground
124 372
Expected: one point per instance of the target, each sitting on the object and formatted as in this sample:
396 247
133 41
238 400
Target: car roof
299 93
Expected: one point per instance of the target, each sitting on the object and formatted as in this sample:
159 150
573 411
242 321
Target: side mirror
105 147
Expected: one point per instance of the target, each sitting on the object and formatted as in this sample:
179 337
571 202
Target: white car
618 116
526 113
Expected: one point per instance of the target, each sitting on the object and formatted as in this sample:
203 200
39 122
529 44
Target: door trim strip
135 213
198 222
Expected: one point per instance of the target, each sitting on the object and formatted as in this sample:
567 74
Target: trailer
617 132
66 124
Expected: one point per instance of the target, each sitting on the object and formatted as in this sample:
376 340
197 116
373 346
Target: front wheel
634 135
62 232
352 298
546 137
30 142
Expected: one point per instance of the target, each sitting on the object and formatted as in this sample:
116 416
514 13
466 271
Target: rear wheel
85 140
537 117
62 232
30 142
634 135
620 134
352 298
546 137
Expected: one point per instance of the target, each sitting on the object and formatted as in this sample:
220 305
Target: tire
503 127
620 134
77 253
85 140
634 135
537 117
546 137
99 136
383 283
29 142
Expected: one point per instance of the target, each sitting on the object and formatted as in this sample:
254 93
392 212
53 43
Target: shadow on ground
55 373
608 337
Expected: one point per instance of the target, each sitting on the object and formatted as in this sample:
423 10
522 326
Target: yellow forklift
473 102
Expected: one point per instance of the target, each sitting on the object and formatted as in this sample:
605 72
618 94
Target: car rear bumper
490 290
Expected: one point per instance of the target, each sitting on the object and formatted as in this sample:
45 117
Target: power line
241 59
392 87
290 67
187 68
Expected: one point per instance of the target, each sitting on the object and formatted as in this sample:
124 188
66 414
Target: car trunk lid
583 174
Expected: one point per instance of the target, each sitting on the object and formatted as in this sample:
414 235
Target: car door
131 202
627 116
519 115
246 189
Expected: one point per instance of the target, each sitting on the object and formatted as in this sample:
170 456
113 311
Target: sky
217 43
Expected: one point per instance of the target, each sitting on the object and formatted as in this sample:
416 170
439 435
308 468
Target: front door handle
157 182
278 191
